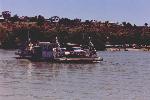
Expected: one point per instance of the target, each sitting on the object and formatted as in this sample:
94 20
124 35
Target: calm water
121 76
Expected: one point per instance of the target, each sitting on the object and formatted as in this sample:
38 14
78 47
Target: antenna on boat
58 49
57 42
92 48
90 42
29 39
91 45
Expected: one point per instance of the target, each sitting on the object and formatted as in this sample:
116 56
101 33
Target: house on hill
1 18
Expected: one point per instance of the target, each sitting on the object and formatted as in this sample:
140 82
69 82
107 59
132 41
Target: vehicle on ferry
80 53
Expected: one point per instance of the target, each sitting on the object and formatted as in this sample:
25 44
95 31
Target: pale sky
134 11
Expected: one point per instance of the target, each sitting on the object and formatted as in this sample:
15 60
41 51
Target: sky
133 11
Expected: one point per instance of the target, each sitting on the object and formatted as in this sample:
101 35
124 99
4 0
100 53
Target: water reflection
29 70
49 71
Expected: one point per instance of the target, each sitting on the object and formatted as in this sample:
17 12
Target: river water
123 75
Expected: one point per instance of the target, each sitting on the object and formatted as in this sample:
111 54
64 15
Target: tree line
14 31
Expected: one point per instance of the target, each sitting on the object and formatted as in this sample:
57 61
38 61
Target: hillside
14 31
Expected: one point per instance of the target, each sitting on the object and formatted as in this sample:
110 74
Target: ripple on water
121 76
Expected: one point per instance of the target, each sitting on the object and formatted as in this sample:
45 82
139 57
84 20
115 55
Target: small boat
46 51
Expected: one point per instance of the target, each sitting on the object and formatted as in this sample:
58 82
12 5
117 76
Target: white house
1 18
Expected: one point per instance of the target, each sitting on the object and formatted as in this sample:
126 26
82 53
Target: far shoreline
127 49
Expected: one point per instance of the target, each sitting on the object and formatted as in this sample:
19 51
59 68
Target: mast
57 42
29 39
92 48
91 44
58 49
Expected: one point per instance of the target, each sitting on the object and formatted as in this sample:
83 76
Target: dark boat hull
65 60
79 60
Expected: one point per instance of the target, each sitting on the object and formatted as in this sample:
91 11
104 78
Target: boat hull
79 60
64 60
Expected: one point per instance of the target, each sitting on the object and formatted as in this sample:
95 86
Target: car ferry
46 51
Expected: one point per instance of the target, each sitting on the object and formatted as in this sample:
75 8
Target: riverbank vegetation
14 31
